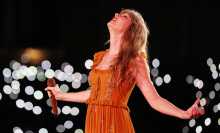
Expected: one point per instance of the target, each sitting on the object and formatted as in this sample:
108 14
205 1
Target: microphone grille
51 82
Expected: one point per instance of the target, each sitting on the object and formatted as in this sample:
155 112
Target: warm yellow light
36 55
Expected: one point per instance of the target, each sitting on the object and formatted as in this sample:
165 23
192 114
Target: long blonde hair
133 41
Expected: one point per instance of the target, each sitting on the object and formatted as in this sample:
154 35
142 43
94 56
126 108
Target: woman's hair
133 42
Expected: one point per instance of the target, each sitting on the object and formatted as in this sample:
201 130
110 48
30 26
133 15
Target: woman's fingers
49 91
197 111
197 102
202 111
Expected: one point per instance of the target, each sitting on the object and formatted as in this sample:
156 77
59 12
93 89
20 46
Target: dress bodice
102 90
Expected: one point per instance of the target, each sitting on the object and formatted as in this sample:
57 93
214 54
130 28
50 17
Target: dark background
183 35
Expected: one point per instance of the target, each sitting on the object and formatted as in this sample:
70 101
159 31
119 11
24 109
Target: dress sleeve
96 59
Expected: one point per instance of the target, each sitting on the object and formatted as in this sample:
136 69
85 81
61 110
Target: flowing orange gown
107 110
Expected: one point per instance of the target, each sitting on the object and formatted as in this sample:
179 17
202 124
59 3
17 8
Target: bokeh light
29 90
64 88
198 94
75 111
68 124
43 130
167 78
20 103
68 69
37 110
64 65
60 128
16 65
13 96
77 76
213 67
19 74
8 80
32 70
46 64
15 84
155 63
201 84
14 75
61 76
88 63
7 72
209 61
185 129
49 102
192 122
25 58
84 78
78 131
212 95
41 76
159 81
215 108
16 91
49 73
69 77
66 110
215 74
217 86
18 130
7 89
190 79
0 96
154 72
29 131
76 84
11 64
38 95
28 106
207 121
203 102
31 78
198 129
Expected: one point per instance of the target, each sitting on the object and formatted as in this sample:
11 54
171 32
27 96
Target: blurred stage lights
60 128
158 80
19 71
41 73
205 101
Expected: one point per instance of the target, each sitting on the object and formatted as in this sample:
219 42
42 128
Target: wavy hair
133 41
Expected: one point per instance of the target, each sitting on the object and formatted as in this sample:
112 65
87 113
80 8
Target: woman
113 76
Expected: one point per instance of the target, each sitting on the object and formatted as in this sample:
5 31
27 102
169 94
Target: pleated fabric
107 110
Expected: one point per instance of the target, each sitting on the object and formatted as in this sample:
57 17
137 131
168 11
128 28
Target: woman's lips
114 19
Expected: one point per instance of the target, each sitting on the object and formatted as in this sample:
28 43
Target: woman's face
119 23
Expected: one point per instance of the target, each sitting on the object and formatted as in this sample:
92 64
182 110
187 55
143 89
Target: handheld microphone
51 83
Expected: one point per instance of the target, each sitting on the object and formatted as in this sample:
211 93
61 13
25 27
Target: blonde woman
113 76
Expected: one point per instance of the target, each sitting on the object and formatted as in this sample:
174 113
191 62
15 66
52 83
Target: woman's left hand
193 112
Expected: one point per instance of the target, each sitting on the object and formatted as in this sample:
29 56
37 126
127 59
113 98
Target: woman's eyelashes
124 16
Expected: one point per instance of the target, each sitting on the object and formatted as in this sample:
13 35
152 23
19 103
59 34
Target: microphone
51 83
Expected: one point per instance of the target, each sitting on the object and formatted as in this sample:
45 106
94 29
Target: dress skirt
108 119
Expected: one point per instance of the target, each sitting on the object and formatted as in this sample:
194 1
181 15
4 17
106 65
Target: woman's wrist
184 115
59 96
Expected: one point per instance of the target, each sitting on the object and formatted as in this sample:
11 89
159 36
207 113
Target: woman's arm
155 100
79 97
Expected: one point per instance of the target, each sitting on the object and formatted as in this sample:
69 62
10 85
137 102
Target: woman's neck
115 41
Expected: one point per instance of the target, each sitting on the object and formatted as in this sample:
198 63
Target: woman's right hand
55 91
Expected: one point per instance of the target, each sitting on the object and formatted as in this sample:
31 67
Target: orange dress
107 110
